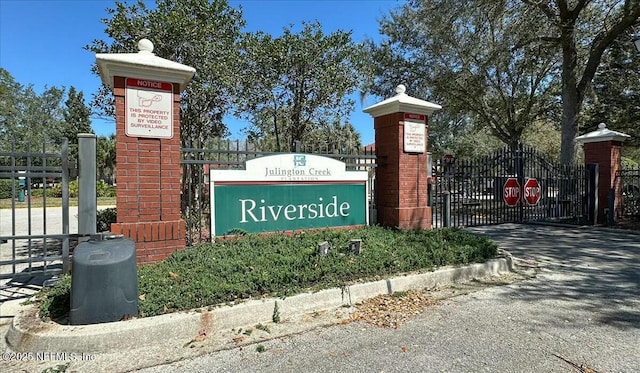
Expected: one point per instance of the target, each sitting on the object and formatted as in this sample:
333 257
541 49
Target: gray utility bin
104 282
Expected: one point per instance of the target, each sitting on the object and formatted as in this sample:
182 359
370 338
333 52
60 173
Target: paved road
37 220
583 307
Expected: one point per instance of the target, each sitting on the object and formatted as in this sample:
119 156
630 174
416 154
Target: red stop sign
532 191
511 191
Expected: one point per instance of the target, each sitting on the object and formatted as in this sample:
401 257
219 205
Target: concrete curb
27 333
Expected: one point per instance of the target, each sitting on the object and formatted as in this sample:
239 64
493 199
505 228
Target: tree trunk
569 126
571 100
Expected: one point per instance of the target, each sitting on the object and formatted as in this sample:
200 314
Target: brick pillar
148 177
604 148
607 155
401 188
148 170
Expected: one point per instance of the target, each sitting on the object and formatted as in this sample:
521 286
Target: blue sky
41 42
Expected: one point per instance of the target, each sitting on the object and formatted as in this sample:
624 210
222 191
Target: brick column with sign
400 124
148 149
604 148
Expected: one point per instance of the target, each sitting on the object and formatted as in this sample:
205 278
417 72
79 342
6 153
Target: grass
37 202
277 265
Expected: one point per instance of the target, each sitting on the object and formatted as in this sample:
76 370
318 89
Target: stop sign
532 191
511 191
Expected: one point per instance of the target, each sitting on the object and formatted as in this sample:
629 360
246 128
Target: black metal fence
627 191
34 233
197 161
476 189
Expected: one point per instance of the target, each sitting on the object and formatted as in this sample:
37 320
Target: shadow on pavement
599 268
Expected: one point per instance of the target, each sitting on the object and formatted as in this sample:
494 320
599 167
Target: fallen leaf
200 338
391 311
404 349
142 297
202 335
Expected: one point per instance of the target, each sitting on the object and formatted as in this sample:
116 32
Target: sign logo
299 160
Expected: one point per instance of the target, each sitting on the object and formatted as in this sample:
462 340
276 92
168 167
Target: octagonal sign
511 191
532 191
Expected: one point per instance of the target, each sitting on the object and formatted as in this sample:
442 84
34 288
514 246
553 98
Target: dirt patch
393 310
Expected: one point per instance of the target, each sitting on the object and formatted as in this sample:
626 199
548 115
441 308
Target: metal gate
471 192
34 210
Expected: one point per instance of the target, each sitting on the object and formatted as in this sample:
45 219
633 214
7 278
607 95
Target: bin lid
102 252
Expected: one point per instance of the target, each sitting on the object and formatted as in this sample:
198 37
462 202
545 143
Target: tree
465 47
297 83
582 30
615 95
467 55
10 92
334 138
199 33
106 158
27 118
76 120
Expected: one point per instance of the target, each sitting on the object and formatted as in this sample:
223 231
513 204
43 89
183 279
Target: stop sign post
511 191
532 191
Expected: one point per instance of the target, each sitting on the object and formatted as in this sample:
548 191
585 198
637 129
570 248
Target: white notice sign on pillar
148 109
414 133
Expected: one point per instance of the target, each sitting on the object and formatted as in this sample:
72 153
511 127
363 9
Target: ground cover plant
280 265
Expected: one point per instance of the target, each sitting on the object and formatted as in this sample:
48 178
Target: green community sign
287 192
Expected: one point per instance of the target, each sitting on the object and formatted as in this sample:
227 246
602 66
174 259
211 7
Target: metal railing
34 237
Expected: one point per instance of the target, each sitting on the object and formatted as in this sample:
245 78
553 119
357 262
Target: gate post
603 147
148 148
400 124
87 202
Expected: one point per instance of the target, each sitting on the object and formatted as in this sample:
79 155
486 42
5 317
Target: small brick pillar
148 148
401 185
604 148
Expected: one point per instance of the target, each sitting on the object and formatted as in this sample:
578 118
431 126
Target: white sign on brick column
149 108
414 133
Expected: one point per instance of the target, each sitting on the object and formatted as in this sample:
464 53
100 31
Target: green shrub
104 218
56 190
51 192
105 190
5 188
253 266
55 301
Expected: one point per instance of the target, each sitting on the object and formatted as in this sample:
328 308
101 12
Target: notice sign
414 133
149 108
